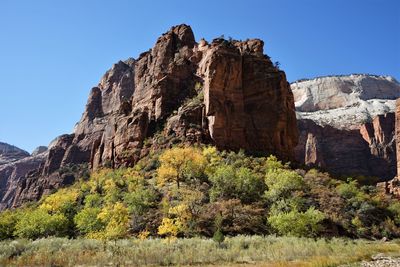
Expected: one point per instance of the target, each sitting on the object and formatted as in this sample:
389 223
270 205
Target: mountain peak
10 153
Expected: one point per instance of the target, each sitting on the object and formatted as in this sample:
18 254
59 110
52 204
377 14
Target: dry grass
236 251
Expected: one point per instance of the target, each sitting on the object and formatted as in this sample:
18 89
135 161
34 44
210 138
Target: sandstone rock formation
227 93
248 102
346 124
393 186
20 163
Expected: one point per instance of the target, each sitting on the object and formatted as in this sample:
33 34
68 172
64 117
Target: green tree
140 200
297 223
87 220
281 183
8 221
241 183
39 223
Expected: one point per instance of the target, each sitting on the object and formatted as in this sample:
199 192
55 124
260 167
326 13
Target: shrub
240 183
297 223
8 220
394 208
281 183
140 200
38 223
87 220
349 190
231 217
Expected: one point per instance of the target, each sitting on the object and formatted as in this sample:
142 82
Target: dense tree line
199 191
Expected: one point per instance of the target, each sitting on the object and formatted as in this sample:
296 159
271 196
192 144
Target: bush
140 200
295 223
233 218
87 221
239 183
349 190
8 220
38 223
394 208
281 183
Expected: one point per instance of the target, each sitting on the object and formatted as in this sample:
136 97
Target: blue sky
53 52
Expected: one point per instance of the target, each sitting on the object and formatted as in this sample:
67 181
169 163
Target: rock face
9 153
227 93
248 102
346 124
19 164
393 186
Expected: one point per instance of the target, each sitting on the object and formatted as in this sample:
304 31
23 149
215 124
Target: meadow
233 251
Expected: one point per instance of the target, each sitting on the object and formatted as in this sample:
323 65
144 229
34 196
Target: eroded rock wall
227 93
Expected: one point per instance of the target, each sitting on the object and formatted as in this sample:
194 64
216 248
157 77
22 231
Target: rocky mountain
15 164
347 124
227 93
9 153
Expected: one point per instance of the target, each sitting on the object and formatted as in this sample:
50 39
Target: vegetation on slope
199 191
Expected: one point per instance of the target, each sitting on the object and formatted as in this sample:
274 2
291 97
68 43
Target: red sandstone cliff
227 93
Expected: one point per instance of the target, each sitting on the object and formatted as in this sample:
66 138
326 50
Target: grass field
235 251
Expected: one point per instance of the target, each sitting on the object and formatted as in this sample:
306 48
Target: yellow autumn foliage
58 201
116 218
180 164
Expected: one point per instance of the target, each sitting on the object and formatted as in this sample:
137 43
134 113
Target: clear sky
53 52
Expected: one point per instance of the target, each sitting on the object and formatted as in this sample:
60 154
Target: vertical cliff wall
227 93
347 124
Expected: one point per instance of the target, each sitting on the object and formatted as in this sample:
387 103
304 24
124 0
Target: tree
281 183
63 201
140 200
240 183
218 235
394 208
39 223
297 223
8 220
180 165
87 220
116 219
169 227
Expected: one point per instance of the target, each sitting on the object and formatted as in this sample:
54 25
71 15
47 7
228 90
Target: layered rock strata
346 124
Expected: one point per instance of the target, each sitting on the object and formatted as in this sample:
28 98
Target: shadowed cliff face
227 93
15 164
334 135
368 151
